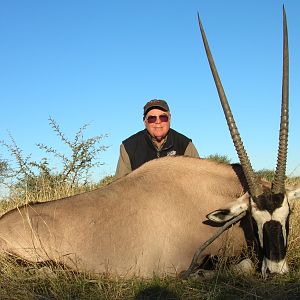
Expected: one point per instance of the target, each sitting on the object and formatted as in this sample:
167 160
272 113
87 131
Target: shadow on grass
156 293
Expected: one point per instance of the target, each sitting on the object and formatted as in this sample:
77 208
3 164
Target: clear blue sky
99 61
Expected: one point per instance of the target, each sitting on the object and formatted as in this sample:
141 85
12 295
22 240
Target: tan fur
150 221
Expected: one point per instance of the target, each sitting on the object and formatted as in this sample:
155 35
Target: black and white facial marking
271 215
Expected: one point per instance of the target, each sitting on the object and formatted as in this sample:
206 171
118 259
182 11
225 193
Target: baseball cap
156 103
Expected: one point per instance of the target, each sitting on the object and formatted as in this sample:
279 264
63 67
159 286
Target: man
156 140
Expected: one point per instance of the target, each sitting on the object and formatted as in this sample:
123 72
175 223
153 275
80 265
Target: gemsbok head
269 208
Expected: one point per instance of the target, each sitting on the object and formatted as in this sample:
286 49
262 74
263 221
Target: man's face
157 122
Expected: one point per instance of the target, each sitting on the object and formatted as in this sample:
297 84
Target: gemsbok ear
293 192
231 210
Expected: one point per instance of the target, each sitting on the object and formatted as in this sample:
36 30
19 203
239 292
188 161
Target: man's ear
231 210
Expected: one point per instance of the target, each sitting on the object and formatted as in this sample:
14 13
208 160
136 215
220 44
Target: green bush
266 174
30 176
219 158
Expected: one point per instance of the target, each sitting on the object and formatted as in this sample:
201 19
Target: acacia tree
77 162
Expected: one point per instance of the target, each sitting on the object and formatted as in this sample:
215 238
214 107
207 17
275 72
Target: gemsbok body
153 220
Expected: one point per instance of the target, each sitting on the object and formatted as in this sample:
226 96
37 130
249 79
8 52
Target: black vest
140 148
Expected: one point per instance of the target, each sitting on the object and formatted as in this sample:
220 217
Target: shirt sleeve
123 166
191 150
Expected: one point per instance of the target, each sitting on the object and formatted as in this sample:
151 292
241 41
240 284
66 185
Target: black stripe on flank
274 247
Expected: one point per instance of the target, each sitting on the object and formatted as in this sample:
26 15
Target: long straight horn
279 178
254 187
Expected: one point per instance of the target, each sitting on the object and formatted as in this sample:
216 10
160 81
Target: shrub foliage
30 176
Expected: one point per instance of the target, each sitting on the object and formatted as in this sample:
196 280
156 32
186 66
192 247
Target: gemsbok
153 220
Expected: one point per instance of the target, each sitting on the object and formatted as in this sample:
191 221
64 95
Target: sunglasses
162 118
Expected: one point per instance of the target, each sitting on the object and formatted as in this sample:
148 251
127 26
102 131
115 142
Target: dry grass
46 193
28 281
